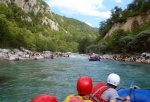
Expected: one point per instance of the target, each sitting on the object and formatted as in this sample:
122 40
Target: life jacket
76 98
97 91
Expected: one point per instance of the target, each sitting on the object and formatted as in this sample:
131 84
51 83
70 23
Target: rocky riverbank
24 54
143 58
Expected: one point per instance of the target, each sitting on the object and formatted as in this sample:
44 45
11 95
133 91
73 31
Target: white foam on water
78 56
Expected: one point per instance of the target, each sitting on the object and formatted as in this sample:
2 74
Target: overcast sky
91 12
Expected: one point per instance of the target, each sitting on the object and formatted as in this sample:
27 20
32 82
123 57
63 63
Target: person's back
84 87
110 94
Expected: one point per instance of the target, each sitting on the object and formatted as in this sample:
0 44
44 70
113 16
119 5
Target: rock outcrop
34 6
128 24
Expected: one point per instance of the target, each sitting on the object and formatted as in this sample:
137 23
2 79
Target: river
20 81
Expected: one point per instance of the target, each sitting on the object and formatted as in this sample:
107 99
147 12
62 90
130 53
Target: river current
21 81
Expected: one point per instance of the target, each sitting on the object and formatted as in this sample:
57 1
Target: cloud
119 1
82 7
88 24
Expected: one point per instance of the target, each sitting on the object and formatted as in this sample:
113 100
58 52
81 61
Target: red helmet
44 98
84 85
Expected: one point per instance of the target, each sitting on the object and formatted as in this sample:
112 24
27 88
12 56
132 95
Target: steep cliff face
34 6
128 24
28 5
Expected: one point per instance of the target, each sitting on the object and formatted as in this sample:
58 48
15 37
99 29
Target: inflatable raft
94 59
136 95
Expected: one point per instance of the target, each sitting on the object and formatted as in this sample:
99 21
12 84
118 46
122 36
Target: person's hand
127 99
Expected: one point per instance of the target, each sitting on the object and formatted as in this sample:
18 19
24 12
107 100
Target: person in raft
84 87
107 92
44 98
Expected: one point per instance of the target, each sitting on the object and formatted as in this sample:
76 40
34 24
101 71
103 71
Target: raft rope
134 95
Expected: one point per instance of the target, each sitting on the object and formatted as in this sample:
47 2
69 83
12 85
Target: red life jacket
97 91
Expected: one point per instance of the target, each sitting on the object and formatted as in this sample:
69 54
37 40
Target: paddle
130 90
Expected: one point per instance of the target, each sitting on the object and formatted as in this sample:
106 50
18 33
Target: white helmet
113 79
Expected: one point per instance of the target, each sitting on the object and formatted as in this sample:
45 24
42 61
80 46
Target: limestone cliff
34 6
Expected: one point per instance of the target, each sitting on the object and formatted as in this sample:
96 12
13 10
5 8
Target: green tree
5 32
116 15
83 44
141 42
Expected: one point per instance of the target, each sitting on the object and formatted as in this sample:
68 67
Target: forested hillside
127 31
31 24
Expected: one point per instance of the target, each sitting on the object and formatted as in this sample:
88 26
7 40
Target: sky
92 12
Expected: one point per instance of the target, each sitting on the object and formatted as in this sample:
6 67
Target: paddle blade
131 84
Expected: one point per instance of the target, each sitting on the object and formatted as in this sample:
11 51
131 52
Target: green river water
21 81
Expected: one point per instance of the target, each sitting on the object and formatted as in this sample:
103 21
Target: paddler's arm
119 98
127 98
113 100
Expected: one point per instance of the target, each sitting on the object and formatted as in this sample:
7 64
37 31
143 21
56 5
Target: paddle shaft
131 86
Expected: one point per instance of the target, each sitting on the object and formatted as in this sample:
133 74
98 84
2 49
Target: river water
21 81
